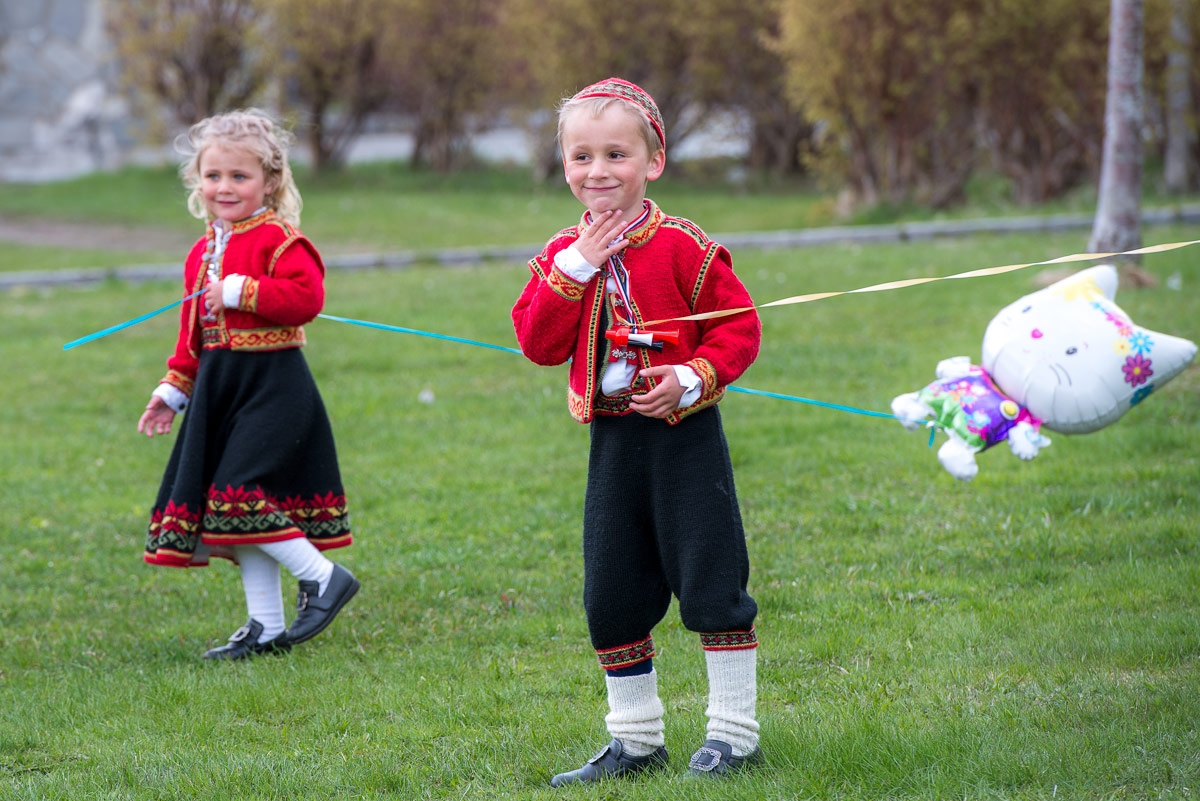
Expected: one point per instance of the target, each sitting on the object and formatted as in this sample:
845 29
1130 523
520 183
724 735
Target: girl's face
232 182
607 162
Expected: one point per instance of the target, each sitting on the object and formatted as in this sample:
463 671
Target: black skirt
254 462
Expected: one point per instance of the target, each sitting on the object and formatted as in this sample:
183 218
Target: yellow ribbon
1008 268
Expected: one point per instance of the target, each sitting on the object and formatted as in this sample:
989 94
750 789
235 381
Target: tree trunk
1181 133
1117 225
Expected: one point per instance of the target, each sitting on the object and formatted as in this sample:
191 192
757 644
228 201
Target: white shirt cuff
231 290
572 264
691 383
172 397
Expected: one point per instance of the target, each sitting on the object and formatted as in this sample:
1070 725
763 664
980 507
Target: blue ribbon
400 330
128 323
795 399
731 388
397 329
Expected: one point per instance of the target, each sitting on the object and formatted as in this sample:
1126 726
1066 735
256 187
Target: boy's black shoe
244 643
612 763
716 758
317 610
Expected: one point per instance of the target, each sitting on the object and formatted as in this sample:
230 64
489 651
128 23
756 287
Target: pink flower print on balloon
1137 370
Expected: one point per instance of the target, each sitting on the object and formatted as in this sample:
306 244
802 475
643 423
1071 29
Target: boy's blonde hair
595 106
258 133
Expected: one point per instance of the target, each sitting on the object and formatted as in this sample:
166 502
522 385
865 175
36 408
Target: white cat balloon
1065 357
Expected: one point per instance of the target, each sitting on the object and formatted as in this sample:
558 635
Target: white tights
260 578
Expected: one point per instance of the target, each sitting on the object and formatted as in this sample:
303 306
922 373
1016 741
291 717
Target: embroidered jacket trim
283 336
689 228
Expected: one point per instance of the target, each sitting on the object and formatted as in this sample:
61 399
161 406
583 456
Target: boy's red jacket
674 271
284 289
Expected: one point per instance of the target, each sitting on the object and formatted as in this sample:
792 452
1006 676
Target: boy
661 516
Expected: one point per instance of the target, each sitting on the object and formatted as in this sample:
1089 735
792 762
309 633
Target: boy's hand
664 398
596 243
157 418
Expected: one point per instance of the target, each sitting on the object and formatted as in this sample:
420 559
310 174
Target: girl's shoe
244 643
612 763
317 610
716 758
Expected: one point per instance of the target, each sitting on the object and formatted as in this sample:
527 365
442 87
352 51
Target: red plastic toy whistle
622 336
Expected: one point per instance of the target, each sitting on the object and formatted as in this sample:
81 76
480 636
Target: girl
253 476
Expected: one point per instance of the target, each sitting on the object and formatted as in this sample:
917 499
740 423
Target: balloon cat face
1073 358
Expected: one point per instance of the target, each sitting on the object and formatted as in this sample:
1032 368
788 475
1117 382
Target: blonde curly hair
257 132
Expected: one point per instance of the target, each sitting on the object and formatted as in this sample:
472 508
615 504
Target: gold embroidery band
907 282
266 338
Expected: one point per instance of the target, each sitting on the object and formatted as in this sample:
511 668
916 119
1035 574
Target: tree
451 64
1040 101
1117 225
330 60
192 58
737 67
893 82
1178 167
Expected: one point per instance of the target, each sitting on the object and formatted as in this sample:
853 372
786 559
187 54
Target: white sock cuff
732 696
636 712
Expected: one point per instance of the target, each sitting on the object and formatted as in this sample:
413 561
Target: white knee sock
260 580
732 692
636 716
302 559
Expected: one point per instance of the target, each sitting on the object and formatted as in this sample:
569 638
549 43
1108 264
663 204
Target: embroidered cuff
691 383
172 397
707 374
565 279
729 640
626 655
180 381
249 299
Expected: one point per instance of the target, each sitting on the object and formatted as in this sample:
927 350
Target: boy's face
607 162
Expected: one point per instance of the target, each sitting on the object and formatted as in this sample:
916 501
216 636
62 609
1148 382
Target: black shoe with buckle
716 758
244 643
612 762
317 610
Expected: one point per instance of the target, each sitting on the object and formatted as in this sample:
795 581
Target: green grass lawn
1032 634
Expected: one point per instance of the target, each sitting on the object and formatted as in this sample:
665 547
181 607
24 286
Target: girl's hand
664 398
213 298
157 418
596 243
